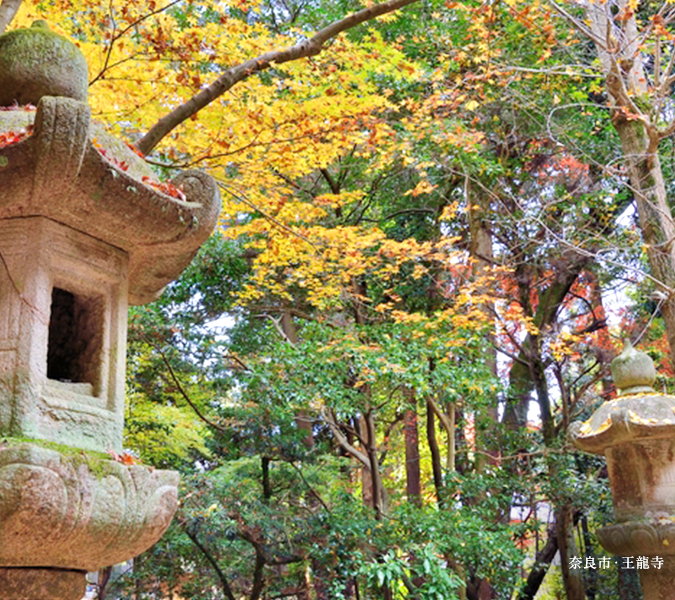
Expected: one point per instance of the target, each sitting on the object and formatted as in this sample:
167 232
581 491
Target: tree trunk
572 578
103 580
412 452
450 424
656 221
367 494
481 252
436 465
626 79
379 493
543 561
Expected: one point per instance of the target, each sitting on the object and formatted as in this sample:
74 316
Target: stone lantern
636 433
86 228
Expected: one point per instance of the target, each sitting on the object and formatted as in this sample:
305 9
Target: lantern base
658 584
77 512
42 584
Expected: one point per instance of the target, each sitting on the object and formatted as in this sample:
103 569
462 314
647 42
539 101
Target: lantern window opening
74 347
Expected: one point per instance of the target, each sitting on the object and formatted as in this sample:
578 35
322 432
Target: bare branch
445 420
577 23
181 389
279 328
117 35
270 218
309 487
305 49
227 590
344 442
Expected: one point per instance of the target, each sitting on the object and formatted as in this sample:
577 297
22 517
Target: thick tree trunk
617 45
367 494
379 493
656 221
527 372
481 252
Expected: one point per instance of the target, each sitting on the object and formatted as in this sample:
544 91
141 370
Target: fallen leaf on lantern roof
605 425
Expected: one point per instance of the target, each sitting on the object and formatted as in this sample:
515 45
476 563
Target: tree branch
182 391
117 35
227 591
233 75
309 487
445 420
258 574
8 9
270 218
344 442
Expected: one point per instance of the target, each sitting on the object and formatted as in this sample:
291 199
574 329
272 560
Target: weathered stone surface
85 227
60 140
63 311
639 413
627 418
80 176
37 62
636 432
633 371
658 584
42 584
642 478
76 511
649 537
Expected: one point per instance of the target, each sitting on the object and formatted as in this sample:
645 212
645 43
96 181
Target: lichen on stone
36 62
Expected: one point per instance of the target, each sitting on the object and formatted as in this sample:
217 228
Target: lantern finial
633 371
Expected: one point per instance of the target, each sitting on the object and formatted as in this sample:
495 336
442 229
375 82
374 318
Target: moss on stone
36 62
16 120
99 464
121 153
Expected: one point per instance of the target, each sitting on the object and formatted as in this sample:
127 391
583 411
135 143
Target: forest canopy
441 220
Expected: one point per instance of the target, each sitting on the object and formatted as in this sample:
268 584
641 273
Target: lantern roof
57 163
638 411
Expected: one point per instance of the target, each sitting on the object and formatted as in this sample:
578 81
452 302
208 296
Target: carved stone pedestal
65 513
659 584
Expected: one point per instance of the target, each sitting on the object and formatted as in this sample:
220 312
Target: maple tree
416 237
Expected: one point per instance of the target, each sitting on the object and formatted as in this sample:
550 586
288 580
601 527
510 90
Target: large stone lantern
636 433
85 229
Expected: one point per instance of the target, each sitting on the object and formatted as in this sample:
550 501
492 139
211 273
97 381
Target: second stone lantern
85 229
636 433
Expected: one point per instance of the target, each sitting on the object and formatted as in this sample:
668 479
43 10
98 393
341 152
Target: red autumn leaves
164 187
